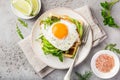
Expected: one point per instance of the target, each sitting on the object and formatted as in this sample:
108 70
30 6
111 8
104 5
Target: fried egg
62 34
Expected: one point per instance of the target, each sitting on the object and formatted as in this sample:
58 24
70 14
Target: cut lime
22 6
35 7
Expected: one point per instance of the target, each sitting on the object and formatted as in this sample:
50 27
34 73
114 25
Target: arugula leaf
23 23
19 32
85 76
48 48
112 47
50 20
106 13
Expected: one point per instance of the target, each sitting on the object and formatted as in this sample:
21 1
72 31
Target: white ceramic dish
107 75
49 59
20 15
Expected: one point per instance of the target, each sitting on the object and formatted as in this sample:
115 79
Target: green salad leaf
112 47
50 20
85 76
106 13
48 48
23 23
19 32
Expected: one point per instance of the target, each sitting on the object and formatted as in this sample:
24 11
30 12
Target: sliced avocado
79 25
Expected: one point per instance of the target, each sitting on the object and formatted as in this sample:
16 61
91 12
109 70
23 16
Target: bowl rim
20 15
116 67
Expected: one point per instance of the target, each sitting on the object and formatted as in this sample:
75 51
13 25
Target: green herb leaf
106 13
50 20
85 76
19 32
23 23
112 47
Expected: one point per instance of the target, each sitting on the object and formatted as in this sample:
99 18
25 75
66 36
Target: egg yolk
60 30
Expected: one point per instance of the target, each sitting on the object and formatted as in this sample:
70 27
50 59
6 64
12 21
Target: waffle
72 51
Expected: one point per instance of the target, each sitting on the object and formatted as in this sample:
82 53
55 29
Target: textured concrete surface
13 63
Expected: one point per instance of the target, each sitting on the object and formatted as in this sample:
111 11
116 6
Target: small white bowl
114 70
20 15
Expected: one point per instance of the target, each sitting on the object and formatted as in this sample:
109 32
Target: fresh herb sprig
23 23
85 76
49 21
106 13
19 32
112 47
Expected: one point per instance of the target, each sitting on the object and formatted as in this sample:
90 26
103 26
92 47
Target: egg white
62 44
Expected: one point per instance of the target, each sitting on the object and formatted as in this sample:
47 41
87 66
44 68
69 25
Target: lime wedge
35 7
22 6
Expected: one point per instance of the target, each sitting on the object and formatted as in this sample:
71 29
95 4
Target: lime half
22 6
35 7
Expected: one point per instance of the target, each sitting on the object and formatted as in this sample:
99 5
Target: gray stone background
13 63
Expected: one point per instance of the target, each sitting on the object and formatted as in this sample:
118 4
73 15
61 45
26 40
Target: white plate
49 59
110 74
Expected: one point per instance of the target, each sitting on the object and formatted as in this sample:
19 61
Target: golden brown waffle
72 51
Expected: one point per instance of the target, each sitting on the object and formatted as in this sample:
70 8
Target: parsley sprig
106 13
112 47
85 76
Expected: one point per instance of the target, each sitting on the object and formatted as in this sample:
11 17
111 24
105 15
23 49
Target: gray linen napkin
98 33
43 69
